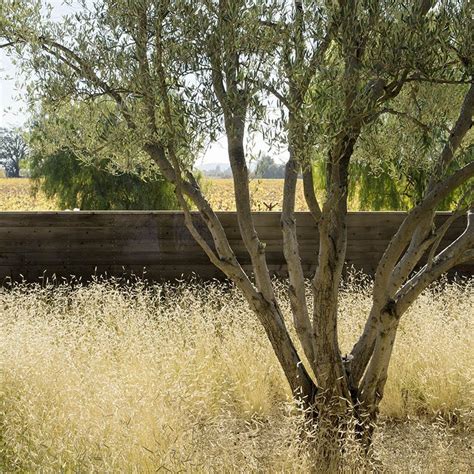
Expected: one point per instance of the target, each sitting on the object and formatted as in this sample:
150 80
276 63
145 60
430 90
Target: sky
10 104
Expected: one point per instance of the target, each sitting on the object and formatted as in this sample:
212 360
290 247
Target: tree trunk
330 372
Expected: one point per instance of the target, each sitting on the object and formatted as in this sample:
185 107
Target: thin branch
272 90
437 81
83 68
7 45
461 127
274 25
407 116
440 233
417 248
218 78
315 60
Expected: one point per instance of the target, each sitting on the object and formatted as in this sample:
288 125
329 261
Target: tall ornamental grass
138 378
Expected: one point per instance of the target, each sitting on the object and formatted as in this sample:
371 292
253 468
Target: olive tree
313 76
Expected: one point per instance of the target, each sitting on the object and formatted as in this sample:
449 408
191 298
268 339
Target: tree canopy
74 184
75 178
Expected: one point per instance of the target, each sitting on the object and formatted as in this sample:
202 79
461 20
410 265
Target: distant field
143 378
266 194
17 195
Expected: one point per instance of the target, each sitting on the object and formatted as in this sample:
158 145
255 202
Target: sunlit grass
16 194
266 195
107 378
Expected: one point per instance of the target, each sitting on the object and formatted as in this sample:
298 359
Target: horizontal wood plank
34 244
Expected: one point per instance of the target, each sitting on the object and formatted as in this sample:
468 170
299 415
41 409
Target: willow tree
383 173
312 76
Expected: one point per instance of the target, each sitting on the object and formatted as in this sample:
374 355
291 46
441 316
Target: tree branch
310 194
297 294
440 233
458 251
409 117
462 126
437 81
85 70
436 192
7 45
414 226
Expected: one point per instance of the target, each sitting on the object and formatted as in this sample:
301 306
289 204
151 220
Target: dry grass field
165 378
266 194
16 195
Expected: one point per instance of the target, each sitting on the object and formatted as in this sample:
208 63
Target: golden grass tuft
140 378
16 194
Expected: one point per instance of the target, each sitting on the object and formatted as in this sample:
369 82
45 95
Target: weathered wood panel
158 245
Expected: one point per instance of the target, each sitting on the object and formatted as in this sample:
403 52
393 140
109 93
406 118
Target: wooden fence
158 245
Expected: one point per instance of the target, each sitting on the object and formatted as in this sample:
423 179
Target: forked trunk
332 225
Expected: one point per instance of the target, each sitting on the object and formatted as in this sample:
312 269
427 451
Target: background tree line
88 184
77 183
